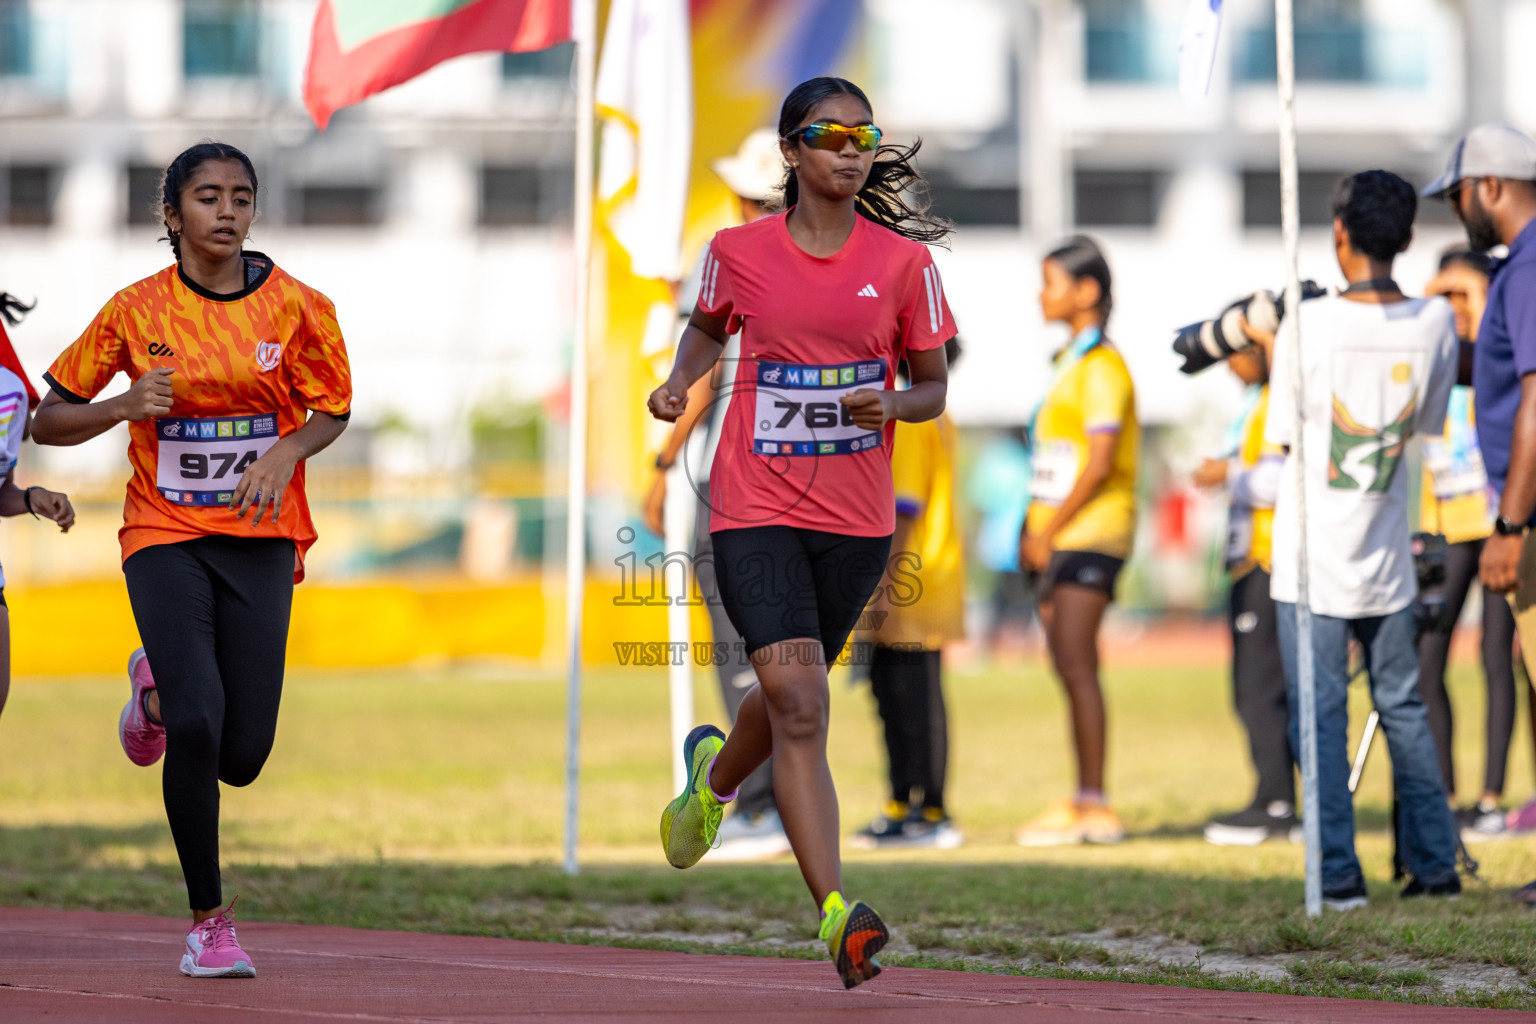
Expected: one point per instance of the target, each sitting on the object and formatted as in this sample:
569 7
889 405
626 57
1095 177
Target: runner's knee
800 713
240 766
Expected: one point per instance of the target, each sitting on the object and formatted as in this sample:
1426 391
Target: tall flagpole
584 30
1290 219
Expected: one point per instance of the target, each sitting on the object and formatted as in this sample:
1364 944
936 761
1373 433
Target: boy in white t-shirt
1378 367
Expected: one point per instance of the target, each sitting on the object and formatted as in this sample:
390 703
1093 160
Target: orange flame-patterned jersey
249 367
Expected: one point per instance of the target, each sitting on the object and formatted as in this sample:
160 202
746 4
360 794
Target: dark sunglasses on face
832 136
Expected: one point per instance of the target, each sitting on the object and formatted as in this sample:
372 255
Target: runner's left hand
53 505
871 409
262 486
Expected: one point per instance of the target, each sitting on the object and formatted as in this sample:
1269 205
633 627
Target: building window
339 205
525 196
1118 198
15 38
30 192
1122 44
552 64
221 39
145 199
1261 198
1336 43
967 204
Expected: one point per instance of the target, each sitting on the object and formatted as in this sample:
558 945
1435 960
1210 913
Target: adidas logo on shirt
869 291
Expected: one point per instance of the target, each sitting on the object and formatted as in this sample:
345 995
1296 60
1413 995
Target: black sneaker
1481 821
1450 888
1252 825
886 830
1346 897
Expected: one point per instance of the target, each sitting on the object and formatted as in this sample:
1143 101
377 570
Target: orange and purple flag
361 47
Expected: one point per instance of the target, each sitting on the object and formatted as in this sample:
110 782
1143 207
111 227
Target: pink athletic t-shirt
813 329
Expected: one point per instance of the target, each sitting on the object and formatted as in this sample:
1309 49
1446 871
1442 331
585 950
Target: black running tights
908 691
213 617
1498 668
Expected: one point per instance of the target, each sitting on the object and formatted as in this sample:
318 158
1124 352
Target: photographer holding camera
1378 367
1490 185
1250 471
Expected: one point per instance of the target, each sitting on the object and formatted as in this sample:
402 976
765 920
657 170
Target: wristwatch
1507 527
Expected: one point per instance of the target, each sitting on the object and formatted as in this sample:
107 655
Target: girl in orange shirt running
238 375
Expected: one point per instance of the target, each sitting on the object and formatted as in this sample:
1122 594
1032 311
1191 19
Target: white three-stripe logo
711 277
869 291
935 292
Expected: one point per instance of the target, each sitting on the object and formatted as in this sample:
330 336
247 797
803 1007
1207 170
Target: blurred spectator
1084 444
917 609
1490 184
1378 368
1249 468
999 490
1455 505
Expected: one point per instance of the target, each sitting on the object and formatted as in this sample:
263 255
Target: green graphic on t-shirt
1361 448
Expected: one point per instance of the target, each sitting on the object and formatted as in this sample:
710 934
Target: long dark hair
180 173
13 309
1080 256
894 195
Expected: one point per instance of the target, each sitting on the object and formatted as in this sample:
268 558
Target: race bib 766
798 412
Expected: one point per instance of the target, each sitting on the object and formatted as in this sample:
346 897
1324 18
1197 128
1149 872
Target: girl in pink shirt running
828 296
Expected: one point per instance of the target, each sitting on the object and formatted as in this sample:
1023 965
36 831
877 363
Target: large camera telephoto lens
1210 341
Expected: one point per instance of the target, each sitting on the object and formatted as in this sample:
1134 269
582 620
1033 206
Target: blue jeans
1426 831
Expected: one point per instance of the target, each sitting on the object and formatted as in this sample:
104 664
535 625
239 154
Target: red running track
68 966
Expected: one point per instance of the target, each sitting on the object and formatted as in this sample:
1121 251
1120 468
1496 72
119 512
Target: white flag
645 98
1197 47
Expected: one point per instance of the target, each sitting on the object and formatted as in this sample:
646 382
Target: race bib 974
201 460
798 412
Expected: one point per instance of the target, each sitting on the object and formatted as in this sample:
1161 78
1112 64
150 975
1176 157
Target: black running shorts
786 583
1082 568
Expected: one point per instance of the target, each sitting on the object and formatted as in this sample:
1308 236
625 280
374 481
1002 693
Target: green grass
435 803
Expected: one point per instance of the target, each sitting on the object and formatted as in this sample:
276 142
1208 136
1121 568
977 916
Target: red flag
10 361
360 47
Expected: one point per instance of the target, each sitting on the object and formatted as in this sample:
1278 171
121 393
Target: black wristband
661 462
1507 527
27 495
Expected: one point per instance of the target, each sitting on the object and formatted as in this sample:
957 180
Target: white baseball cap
756 170
1487 151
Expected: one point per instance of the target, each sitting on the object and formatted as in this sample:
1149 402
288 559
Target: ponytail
13 309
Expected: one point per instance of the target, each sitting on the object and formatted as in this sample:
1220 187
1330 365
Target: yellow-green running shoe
690 823
853 936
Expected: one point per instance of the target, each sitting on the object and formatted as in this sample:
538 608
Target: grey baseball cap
1487 151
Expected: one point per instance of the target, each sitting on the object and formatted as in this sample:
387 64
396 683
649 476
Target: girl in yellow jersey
1084 440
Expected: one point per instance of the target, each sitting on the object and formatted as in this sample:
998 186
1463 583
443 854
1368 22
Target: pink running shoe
143 740
212 950
1523 818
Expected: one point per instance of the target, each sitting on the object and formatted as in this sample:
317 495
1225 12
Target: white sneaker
745 837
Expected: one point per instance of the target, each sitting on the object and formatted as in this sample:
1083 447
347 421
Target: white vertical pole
676 516
1048 208
1290 219
584 29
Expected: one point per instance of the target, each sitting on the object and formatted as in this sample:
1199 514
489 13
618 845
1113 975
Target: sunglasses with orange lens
832 136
